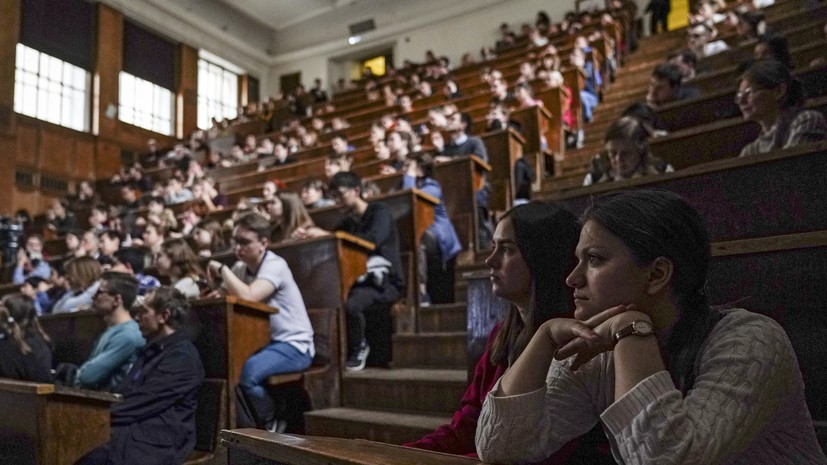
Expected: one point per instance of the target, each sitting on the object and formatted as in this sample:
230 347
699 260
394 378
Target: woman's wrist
626 318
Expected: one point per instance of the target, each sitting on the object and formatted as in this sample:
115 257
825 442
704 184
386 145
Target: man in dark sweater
460 143
375 292
155 423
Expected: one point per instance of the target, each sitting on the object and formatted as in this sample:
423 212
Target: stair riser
427 351
420 396
442 320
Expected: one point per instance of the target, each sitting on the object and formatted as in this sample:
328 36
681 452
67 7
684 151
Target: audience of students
767 94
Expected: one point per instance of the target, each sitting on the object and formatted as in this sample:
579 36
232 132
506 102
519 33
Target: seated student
375 292
687 62
665 86
30 260
262 276
400 144
61 220
770 96
440 244
82 275
532 256
155 422
208 236
627 154
25 349
335 164
647 116
132 260
671 379
110 242
178 262
116 349
313 195
700 41
773 47
290 219
590 93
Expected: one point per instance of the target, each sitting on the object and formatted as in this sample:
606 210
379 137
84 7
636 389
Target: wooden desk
249 446
44 424
73 334
460 178
504 148
413 211
227 331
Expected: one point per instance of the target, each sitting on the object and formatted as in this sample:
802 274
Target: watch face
643 327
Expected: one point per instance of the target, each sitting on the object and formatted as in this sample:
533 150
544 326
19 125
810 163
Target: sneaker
357 360
277 426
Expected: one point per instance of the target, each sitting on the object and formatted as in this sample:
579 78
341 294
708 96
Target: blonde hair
85 270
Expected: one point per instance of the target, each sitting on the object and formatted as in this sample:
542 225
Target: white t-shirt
291 324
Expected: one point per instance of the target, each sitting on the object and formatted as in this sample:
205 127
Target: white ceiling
280 14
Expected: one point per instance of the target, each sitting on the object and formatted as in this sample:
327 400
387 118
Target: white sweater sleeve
747 370
530 427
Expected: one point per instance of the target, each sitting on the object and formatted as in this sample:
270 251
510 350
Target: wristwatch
637 327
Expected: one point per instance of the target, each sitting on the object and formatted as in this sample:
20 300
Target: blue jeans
272 359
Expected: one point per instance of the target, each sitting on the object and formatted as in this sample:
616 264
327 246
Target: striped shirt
807 126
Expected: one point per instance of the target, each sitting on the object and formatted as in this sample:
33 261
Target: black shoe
357 360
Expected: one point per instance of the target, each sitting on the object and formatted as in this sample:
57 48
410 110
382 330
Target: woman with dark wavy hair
671 379
533 254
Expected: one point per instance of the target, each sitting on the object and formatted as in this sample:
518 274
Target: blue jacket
155 423
441 228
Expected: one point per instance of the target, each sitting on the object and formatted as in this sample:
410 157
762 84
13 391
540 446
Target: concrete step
413 390
430 350
388 427
443 318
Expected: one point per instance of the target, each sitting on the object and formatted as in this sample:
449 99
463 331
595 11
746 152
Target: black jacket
155 423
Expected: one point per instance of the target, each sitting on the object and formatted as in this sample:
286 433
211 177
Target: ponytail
12 328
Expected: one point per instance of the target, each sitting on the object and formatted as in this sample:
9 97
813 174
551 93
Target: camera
10 234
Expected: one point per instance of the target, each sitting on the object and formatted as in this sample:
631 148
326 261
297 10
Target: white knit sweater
747 407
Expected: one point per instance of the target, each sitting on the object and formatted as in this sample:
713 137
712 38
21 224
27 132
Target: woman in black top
25 349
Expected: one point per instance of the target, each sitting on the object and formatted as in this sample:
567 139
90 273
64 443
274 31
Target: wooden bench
48 424
249 446
320 383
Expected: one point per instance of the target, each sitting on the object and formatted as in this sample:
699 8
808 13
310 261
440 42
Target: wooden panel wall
45 149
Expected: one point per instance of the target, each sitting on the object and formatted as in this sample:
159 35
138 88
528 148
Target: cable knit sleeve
747 375
529 427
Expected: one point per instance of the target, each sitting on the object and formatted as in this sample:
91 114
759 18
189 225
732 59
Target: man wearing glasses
375 292
116 349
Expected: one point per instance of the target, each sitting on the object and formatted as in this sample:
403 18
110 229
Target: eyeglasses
746 93
242 241
107 292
